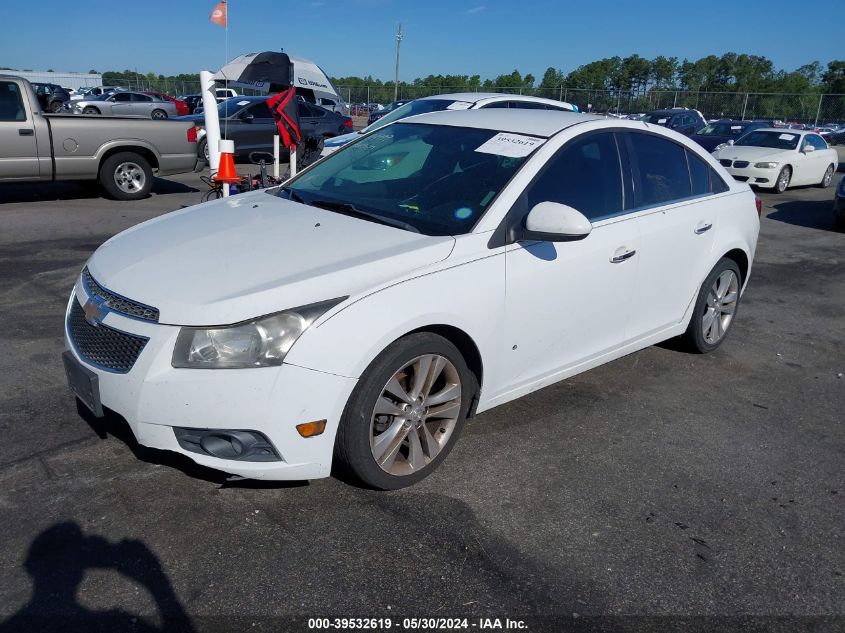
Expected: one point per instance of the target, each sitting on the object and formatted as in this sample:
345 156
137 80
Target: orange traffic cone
226 172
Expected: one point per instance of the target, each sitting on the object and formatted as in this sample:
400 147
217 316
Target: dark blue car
724 130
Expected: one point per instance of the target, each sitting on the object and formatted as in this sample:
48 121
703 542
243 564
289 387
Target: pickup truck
122 153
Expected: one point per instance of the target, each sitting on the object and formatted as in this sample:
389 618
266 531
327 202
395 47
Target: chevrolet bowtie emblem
95 311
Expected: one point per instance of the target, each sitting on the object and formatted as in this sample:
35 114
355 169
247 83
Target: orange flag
218 16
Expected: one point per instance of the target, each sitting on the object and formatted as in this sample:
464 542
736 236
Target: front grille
116 303
741 164
101 345
725 162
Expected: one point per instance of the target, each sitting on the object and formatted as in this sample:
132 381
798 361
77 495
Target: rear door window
660 170
699 173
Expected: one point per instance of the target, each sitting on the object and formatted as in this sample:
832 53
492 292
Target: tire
158 114
828 177
126 176
90 110
415 432
700 337
202 151
56 106
784 177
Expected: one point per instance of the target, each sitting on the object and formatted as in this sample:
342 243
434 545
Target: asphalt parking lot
663 484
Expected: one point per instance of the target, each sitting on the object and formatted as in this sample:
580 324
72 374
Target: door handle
26 132
618 259
703 228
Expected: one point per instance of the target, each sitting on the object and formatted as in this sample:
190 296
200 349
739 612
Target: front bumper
755 176
154 397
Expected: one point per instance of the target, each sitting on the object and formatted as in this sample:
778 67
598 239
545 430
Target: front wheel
715 307
406 412
159 114
126 176
56 106
827 178
782 182
90 110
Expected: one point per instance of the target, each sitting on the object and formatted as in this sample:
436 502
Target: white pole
212 121
292 161
276 156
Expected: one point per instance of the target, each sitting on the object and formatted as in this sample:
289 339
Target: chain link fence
813 108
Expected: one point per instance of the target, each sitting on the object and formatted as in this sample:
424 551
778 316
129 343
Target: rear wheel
784 177
406 412
90 110
159 114
126 176
827 178
715 307
56 106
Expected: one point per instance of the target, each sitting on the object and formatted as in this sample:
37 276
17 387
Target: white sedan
777 158
439 267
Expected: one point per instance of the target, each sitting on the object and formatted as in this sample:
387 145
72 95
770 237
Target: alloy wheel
720 307
415 414
129 177
828 176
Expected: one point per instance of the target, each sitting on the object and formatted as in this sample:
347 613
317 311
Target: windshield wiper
350 209
292 195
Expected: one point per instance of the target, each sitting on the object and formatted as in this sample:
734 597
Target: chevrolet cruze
438 267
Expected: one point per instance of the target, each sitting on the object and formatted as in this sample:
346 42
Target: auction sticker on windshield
511 145
786 137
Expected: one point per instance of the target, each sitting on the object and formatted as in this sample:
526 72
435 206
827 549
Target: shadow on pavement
114 425
813 214
45 191
58 560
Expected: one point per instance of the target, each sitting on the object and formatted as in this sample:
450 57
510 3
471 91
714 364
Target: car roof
475 97
784 130
530 122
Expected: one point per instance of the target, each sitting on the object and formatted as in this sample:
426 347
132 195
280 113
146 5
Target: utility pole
398 43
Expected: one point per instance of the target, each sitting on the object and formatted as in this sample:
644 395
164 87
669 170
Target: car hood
751 153
253 254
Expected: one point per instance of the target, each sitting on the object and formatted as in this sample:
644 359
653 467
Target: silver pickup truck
122 153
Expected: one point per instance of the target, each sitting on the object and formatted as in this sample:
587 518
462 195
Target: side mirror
246 117
808 148
730 141
554 222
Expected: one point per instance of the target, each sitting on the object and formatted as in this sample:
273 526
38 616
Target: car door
568 302
815 161
677 227
120 104
252 129
320 122
18 144
142 105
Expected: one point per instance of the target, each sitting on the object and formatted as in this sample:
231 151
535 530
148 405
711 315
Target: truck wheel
202 151
90 110
159 114
126 176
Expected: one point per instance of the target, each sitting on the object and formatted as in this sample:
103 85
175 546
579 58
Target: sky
357 37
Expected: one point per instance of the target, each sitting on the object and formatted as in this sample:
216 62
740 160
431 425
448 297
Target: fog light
239 445
310 429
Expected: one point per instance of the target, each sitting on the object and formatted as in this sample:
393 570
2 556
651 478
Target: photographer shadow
58 560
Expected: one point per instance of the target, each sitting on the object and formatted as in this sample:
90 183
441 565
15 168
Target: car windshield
656 117
722 129
420 106
433 179
775 140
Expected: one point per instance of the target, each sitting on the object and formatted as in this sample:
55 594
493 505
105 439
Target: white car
776 158
455 101
437 268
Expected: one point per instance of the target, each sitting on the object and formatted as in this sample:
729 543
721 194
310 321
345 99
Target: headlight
765 165
720 146
263 342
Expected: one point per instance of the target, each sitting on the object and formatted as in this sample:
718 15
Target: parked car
181 106
682 120
225 93
126 103
839 204
375 115
122 154
51 97
193 101
713 135
837 138
248 122
455 101
775 158
403 284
